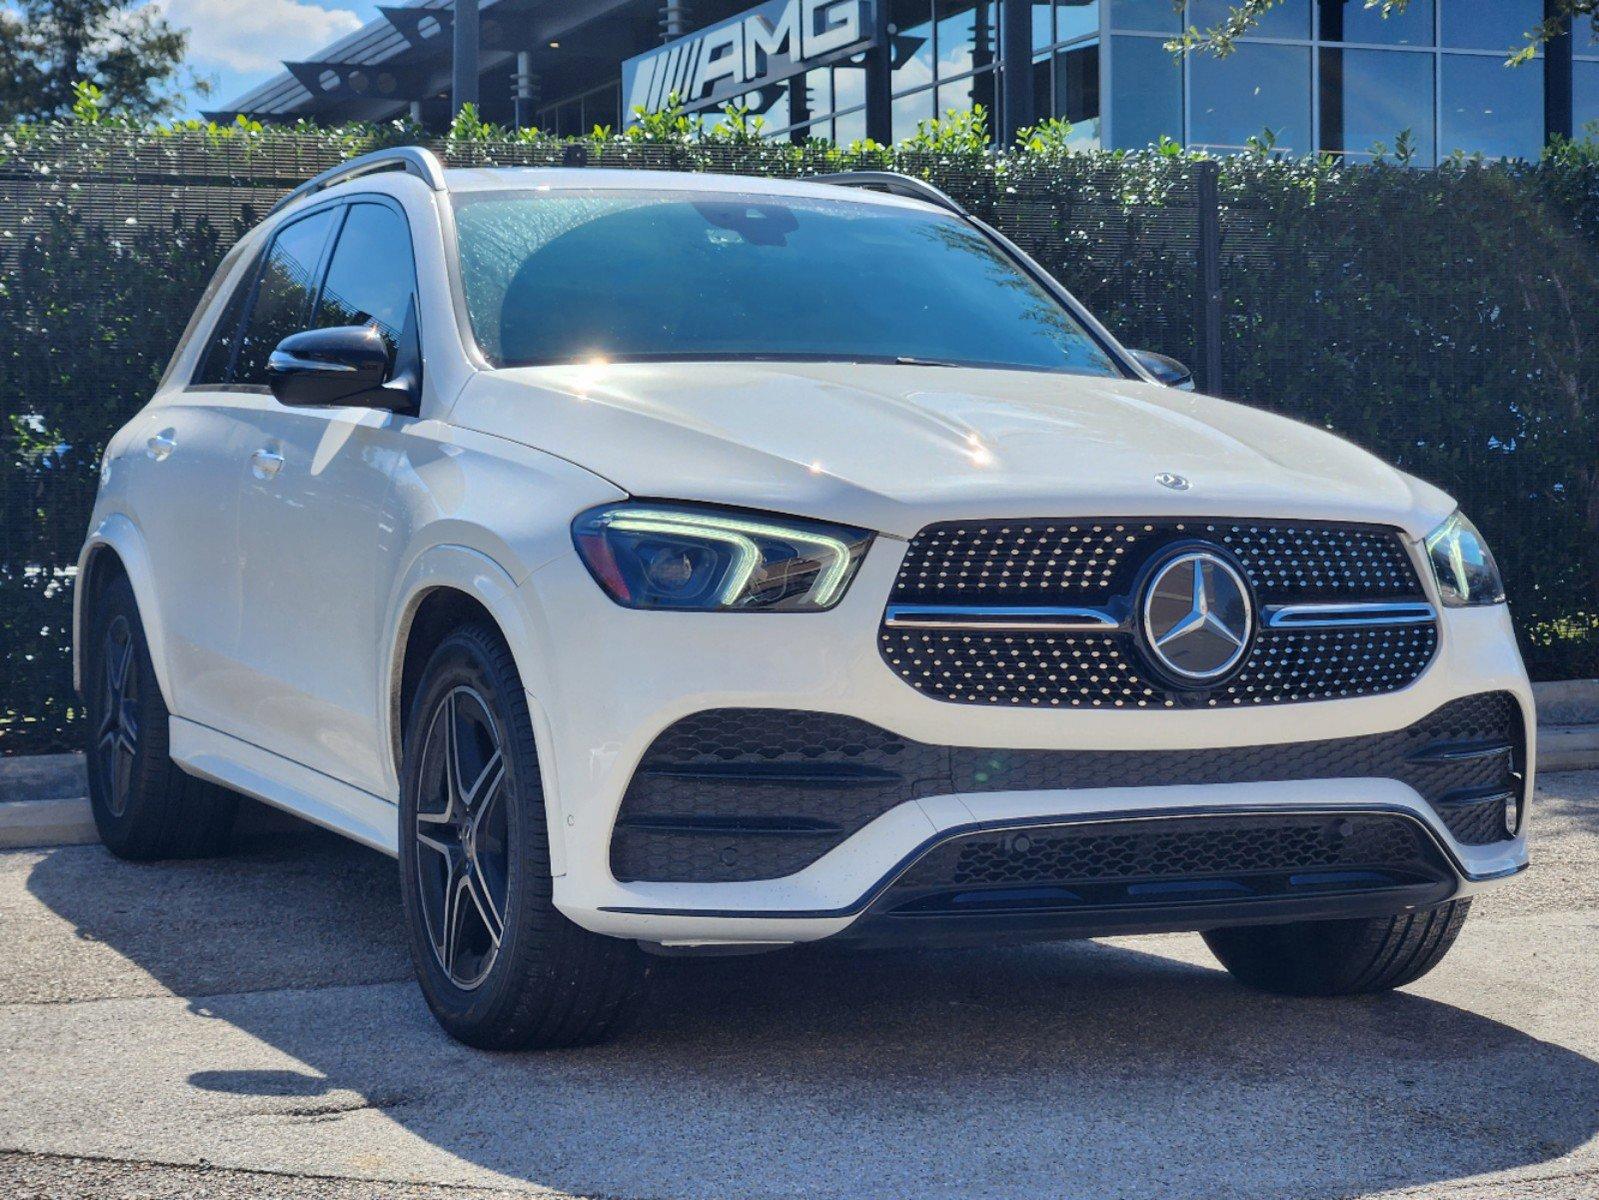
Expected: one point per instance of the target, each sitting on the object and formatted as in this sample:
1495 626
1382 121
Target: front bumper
595 729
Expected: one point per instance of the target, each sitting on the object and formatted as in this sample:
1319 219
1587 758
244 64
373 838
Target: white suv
666 563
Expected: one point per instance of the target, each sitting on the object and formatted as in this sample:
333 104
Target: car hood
894 447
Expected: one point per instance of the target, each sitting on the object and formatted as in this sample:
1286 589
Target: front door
316 552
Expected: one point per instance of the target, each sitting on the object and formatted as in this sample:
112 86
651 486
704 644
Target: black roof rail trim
895 184
413 160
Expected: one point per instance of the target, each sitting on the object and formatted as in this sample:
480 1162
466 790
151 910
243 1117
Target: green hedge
1446 319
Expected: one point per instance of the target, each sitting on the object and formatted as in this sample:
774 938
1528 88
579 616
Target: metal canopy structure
403 62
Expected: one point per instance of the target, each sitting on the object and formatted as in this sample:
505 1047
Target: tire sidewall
462 660
115 829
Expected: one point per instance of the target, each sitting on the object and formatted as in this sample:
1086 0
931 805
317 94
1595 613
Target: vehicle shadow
1061 1071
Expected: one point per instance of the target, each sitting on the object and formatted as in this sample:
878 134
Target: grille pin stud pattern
1015 563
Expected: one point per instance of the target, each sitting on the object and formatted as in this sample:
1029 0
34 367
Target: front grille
1102 670
1168 861
1077 562
1000 564
742 794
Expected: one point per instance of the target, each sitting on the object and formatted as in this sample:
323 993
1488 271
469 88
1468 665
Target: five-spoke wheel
144 805
462 868
500 966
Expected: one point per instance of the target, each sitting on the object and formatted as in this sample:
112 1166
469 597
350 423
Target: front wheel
1340 958
499 965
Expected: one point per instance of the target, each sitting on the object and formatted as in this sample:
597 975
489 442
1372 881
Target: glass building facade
1314 76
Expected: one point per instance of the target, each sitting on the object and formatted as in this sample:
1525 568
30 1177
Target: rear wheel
144 806
1340 958
499 965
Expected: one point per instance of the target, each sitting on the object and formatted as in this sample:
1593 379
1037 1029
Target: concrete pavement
247 1027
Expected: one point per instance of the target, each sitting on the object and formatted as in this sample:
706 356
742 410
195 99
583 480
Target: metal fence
1444 319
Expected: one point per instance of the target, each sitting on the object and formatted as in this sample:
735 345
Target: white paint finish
278 609
285 784
893 448
316 563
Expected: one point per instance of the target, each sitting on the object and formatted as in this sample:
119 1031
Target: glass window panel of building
1066 67
1257 88
1377 98
1585 83
1352 21
1336 75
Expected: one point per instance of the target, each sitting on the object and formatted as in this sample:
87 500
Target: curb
46 823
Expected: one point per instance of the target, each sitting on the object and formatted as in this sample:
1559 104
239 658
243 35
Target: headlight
708 559
1462 564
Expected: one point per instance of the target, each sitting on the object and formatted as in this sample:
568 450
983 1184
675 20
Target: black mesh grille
1098 562
1185 848
740 794
1168 861
1478 822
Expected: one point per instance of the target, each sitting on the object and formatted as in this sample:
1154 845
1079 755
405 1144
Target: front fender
468 570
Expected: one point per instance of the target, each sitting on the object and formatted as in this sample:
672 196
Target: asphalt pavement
247 1026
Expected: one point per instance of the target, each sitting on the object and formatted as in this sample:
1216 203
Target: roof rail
413 160
895 184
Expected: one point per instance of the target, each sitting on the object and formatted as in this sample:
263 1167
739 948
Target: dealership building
1321 75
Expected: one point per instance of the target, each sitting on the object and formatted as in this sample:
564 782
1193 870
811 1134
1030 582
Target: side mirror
1166 370
330 368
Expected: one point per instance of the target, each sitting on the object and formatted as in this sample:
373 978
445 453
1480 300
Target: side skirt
282 783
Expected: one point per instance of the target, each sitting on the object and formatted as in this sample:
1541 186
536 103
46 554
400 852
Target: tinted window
218 355
283 297
1490 108
1146 93
1378 94
1159 16
1585 96
1352 21
370 279
1489 24
1290 19
563 277
1255 88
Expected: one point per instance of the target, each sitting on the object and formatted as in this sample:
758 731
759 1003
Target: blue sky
239 43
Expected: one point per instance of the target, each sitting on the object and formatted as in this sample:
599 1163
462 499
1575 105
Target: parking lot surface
247 1026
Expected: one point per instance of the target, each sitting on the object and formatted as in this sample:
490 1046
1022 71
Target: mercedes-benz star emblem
1171 479
1197 616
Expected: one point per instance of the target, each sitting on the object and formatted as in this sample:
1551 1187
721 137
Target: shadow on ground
1075 1070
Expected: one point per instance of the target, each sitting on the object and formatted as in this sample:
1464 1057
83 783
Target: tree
1244 15
130 53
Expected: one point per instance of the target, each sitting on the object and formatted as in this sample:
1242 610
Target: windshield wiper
910 360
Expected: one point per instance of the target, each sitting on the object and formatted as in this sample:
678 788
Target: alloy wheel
462 858
116 739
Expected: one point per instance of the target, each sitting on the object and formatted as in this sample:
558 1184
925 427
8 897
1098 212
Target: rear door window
284 294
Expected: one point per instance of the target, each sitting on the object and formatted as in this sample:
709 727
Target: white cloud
255 35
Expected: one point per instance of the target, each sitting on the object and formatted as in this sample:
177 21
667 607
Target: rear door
189 511
317 553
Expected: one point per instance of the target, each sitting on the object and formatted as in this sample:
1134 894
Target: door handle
160 445
264 464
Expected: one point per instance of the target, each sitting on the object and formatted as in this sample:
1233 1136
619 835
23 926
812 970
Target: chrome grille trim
974 616
1344 616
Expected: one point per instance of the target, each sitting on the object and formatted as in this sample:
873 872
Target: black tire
544 982
1340 958
144 806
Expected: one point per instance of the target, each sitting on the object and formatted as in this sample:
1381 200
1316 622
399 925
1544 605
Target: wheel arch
446 585
115 547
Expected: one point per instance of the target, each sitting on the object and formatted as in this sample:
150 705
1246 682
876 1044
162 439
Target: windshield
558 277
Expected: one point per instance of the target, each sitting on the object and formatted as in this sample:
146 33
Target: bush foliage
1446 319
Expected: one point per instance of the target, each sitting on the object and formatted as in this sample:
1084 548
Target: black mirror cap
334 367
1166 369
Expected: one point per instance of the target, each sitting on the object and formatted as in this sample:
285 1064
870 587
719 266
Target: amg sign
778 39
